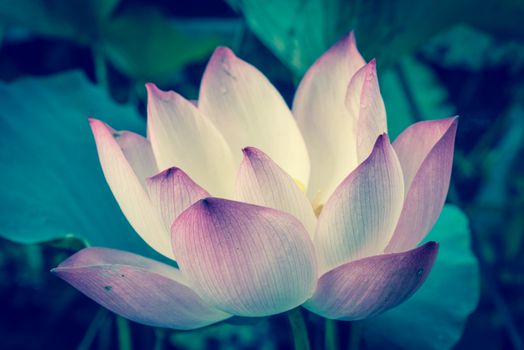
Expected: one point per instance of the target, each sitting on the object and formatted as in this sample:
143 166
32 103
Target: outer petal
138 153
366 106
368 287
425 151
319 107
261 181
359 218
171 192
122 176
137 288
437 313
245 259
249 111
181 136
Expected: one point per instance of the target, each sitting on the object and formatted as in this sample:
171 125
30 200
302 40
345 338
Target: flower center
318 209
300 185
317 206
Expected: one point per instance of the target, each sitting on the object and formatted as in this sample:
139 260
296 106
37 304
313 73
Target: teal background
63 61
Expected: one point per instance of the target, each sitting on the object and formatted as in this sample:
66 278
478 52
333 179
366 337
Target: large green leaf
434 317
299 31
466 47
296 31
412 92
147 46
72 19
140 41
51 182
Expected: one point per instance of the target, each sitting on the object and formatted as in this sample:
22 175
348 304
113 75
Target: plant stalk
124 334
354 335
100 67
331 340
298 326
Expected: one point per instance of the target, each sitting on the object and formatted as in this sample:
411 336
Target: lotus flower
266 208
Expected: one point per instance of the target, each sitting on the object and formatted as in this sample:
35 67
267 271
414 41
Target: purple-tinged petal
261 181
319 107
182 137
415 143
249 111
171 192
244 259
138 153
367 287
122 175
359 218
365 104
137 288
425 151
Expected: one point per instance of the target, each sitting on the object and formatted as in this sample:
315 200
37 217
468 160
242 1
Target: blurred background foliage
436 59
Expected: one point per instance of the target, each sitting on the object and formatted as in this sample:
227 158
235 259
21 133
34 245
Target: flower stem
124 334
93 329
299 329
354 336
160 335
100 67
331 335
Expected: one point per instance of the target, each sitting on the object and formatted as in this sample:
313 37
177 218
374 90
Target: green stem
2 33
298 326
100 67
105 334
35 262
354 336
331 335
93 329
410 98
124 334
160 335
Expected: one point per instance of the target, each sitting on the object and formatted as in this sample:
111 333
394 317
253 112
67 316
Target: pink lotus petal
415 143
137 288
249 111
244 259
319 107
359 218
367 287
425 151
260 181
124 177
181 136
172 191
366 106
138 153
